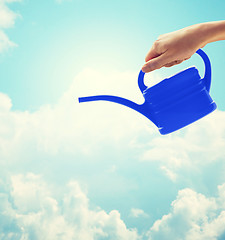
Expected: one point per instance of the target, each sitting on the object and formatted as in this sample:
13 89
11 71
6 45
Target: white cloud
5 103
137 212
170 174
5 43
193 217
7 17
7 20
190 149
31 211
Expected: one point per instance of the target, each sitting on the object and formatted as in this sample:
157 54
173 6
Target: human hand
175 47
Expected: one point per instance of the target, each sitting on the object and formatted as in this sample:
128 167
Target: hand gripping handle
207 77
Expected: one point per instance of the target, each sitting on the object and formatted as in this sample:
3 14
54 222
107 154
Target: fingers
151 54
158 48
155 63
173 63
159 62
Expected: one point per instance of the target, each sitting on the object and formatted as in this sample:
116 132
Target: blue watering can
173 103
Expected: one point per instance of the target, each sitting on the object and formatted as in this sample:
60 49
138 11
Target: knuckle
156 45
159 46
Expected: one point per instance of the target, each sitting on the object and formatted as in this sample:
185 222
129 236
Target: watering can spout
139 108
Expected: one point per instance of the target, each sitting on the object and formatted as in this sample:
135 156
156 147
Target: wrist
196 36
211 31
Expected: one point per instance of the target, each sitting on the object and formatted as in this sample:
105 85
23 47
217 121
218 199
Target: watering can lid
175 81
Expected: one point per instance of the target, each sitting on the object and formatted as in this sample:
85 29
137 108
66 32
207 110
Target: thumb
155 63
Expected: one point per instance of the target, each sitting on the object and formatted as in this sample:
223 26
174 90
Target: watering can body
173 103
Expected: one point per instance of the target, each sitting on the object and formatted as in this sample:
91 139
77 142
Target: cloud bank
193 216
32 209
31 206
29 210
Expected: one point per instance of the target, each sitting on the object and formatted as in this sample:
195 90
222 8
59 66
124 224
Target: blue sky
101 171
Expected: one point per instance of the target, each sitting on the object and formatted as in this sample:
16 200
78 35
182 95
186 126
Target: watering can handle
208 71
207 77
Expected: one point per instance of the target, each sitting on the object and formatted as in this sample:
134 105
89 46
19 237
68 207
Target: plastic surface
173 103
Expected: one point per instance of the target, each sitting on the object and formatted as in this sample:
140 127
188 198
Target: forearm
211 32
